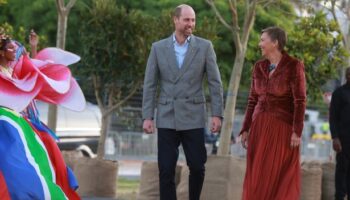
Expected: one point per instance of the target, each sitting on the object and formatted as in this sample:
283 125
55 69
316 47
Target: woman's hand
244 139
33 39
295 140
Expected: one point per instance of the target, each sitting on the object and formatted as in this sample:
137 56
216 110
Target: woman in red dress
273 122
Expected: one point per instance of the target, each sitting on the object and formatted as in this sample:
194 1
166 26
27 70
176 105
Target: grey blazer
181 102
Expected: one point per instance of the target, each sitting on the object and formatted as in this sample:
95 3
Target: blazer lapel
191 52
170 56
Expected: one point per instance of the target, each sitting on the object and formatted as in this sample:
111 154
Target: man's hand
337 145
215 124
295 140
244 139
148 126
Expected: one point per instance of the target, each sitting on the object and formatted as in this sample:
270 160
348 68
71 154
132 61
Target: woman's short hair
276 33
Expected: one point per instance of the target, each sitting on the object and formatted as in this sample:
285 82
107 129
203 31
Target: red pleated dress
275 110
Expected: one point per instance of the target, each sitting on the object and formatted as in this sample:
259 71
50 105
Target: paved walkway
129 168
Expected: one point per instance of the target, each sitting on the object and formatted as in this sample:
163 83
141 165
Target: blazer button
174 98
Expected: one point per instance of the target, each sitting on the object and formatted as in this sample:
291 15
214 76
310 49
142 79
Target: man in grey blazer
176 68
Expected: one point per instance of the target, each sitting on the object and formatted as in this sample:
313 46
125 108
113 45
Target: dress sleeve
252 101
298 85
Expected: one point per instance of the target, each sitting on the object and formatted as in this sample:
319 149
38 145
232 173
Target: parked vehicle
76 130
317 144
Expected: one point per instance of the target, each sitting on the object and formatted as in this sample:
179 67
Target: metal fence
126 140
139 146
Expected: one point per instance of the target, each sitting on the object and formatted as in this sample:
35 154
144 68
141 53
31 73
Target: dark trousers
192 142
342 175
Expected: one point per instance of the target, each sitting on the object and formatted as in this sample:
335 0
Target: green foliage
280 13
317 42
40 15
206 23
116 44
19 34
14 34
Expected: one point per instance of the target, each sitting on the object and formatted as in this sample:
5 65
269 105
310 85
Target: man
339 121
178 64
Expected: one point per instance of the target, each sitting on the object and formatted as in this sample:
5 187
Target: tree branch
265 3
111 95
70 4
218 15
131 93
233 8
332 10
248 21
59 6
96 84
236 29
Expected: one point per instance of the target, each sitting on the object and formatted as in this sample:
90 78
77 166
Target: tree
240 38
27 18
116 44
18 35
63 12
115 47
249 52
344 7
340 12
314 41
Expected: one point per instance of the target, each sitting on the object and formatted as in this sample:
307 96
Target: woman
31 165
273 122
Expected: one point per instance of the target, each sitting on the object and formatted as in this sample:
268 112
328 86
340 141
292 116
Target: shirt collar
188 39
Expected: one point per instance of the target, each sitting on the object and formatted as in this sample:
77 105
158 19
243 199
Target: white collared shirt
180 50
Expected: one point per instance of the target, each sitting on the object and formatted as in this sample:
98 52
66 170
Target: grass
127 189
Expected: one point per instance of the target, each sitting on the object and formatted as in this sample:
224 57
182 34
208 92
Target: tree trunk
60 43
61 30
52 117
63 13
105 121
108 109
241 47
231 99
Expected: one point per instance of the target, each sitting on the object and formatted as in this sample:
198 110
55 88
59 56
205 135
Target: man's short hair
178 9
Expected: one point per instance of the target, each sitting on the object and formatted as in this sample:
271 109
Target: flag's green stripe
38 152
